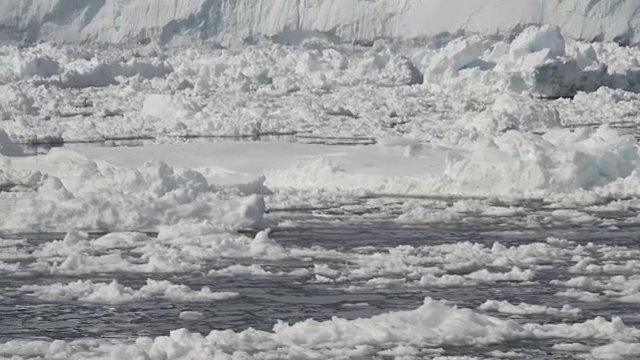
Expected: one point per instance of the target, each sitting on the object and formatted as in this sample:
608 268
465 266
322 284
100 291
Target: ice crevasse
229 21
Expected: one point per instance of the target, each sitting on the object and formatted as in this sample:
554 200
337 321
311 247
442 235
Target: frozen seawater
292 289
481 212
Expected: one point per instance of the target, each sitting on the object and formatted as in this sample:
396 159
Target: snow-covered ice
74 192
391 90
227 181
320 179
290 21
116 293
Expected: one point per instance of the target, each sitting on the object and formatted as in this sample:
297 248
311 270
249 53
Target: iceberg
235 21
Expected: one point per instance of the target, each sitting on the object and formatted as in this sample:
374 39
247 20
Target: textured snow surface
420 93
147 187
72 191
230 21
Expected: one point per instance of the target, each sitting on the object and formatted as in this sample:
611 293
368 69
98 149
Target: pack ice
467 115
229 21
427 111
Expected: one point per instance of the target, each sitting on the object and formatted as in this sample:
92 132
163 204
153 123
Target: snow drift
228 21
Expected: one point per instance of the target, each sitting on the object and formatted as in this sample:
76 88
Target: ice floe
419 331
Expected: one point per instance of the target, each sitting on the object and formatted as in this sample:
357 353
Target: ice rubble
485 100
75 192
180 248
568 162
113 293
625 289
339 90
432 325
177 249
512 164
229 21
538 60
419 331
75 93
583 166
73 68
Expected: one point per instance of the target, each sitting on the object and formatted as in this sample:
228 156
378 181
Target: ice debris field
319 180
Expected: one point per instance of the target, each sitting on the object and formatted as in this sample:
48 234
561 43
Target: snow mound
38 61
14 102
522 163
75 192
459 54
163 106
533 40
512 112
230 21
511 164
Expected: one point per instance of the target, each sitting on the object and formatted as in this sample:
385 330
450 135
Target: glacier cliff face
229 21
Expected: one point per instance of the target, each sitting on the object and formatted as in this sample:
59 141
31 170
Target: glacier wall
229 21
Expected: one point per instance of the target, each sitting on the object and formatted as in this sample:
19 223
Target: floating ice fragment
191 315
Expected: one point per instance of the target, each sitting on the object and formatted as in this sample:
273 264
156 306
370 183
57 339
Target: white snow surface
232 21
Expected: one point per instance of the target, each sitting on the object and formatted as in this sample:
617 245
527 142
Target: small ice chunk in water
191 315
